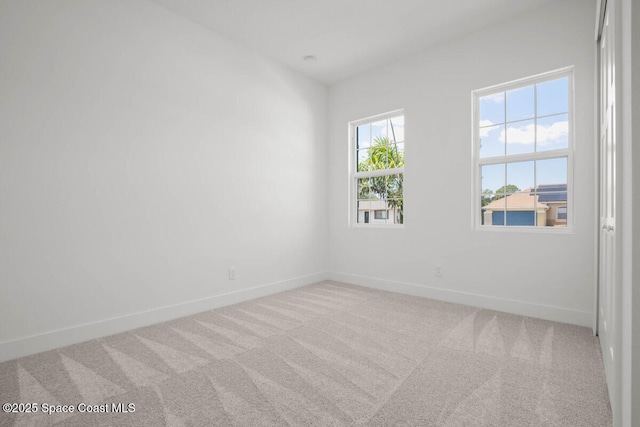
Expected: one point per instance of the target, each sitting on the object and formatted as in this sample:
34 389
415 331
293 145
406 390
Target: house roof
523 200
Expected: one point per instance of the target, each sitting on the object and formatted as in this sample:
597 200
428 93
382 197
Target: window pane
520 104
553 132
520 137
552 189
366 190
520 177
492 178
397 129
553 97
551 171
492 141
364 160
385 155
396 156
394 186
493 195
363 136
379 131
380 157
491 109
379 186
521 209
395 198
520 203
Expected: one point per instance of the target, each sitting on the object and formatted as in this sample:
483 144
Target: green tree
505 190
383 155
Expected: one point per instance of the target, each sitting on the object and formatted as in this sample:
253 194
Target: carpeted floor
327 354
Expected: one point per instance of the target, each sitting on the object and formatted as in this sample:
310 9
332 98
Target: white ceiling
347 36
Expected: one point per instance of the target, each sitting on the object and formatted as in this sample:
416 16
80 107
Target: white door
608 294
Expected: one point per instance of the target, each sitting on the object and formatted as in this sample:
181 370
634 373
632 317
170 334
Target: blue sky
524 120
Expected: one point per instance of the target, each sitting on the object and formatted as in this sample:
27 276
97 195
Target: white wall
140 155
544 275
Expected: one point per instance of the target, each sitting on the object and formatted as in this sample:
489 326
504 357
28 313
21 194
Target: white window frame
354 174
478 162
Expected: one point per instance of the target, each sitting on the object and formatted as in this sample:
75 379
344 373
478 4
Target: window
380 215
377 170
523 152
562 213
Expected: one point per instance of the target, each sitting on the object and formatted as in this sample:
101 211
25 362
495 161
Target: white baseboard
13 349
547 312
62 337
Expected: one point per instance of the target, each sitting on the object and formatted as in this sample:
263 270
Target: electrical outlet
438 271
232 273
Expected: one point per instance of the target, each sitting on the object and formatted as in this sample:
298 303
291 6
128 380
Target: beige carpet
323 355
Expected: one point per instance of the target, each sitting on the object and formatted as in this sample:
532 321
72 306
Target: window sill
525 229
370 226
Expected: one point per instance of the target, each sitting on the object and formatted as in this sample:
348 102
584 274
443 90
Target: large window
523 153
377 170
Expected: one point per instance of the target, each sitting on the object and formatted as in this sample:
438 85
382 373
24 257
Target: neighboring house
554 196
546 206
377 212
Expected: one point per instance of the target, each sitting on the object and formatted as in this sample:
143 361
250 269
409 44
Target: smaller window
377 170
562 213
380 215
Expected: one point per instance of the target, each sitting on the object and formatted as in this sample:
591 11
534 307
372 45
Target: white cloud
546 134
551 134
484 131
519 135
